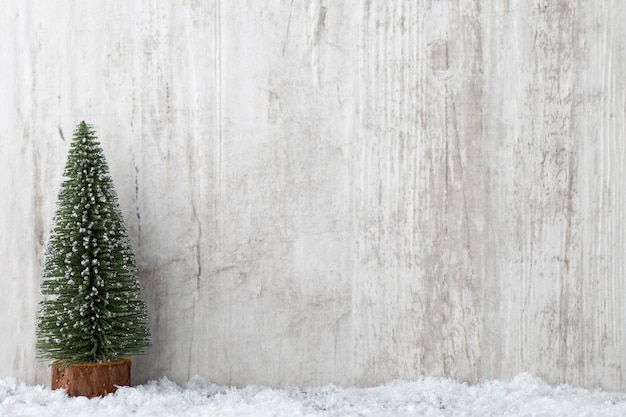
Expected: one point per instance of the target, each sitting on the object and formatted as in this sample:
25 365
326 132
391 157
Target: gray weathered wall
335 191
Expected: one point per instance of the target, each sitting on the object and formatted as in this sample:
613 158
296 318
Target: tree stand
91 379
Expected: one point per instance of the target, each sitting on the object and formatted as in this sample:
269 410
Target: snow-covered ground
525 395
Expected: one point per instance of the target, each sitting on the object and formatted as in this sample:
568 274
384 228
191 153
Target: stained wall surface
334 191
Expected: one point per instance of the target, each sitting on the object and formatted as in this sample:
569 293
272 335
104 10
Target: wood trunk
91 379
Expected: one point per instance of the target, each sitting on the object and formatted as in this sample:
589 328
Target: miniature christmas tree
92 311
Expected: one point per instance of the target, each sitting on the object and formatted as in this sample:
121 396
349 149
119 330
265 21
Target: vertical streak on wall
619 166
19 171
416 262
545 175
467 169
217 81
376 273
600 124
505 328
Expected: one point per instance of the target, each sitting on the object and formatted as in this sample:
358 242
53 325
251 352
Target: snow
525 395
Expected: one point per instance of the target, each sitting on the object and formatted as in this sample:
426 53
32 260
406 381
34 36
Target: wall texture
334 191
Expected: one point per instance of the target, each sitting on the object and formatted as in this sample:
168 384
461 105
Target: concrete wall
334 191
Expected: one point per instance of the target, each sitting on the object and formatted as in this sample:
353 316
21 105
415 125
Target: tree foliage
92 310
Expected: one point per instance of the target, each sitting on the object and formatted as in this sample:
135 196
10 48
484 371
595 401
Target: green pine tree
92 310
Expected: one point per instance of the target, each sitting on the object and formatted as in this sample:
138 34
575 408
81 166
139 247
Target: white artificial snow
525 395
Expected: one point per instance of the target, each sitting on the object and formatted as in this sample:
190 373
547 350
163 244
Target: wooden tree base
91 379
